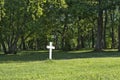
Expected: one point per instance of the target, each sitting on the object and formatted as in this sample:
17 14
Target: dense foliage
70 24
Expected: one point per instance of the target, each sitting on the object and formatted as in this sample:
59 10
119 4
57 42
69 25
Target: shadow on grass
57 55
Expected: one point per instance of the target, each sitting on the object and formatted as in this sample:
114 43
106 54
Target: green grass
73 65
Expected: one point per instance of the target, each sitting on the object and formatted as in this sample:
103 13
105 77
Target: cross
50 47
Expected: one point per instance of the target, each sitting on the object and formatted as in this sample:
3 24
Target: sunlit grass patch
73 65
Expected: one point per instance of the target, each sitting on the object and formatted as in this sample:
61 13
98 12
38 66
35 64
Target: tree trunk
22 44
93 39
37 44
119 36
112 28
3 45
78 43
98 46
82 42
104 30
63 38
78 40
113 38
12 47
56 41
64 35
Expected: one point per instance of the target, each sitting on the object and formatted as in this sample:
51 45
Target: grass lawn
74 65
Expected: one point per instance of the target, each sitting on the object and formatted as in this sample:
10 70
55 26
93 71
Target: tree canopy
70 24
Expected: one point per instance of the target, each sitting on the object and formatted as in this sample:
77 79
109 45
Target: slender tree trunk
64 32
63 38
78 40
98 46
23 44
93 39
112 29
104 30
56 42
82 42
119 33
37 44
113 38
3 45
78 43
119 36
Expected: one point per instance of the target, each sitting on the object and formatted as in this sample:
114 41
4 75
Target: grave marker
50 47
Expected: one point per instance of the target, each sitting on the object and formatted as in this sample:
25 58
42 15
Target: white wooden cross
50 47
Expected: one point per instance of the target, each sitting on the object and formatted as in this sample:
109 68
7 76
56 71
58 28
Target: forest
69 24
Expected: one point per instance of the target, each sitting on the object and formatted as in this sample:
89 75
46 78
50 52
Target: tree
119 32
98 46
15 24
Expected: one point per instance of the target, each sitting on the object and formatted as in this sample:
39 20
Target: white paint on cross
50 47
